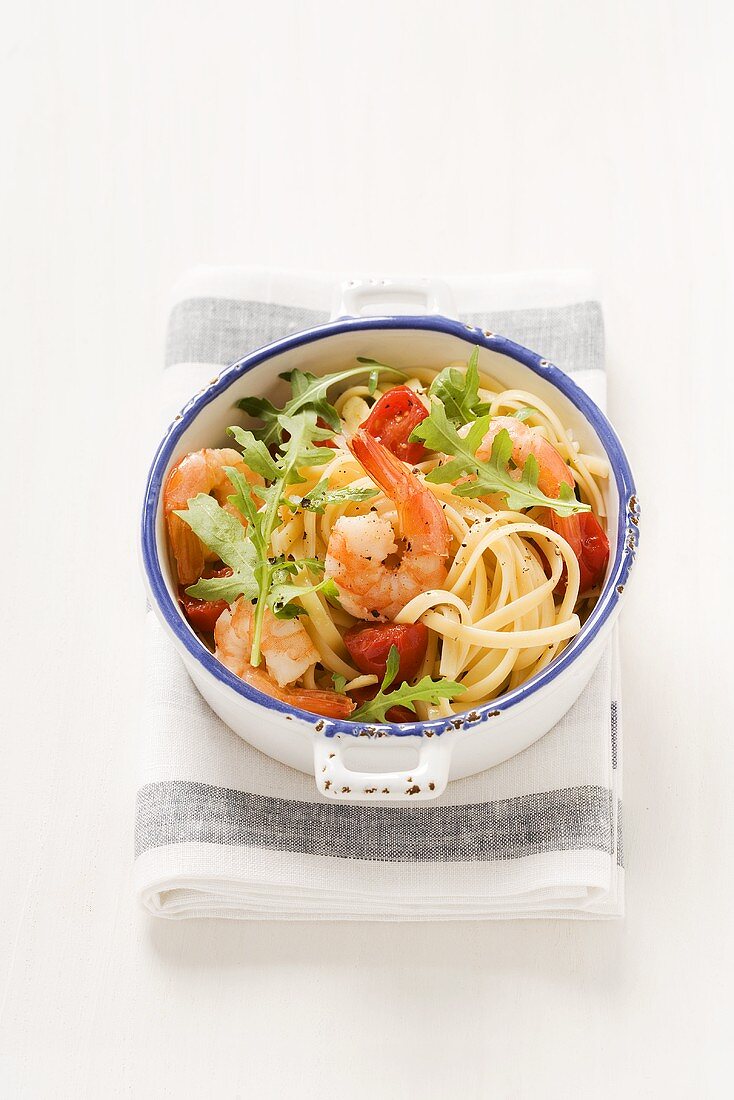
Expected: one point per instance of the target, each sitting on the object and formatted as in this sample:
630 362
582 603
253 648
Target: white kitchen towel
224 831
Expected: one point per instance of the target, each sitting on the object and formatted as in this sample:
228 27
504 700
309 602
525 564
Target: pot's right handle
392 297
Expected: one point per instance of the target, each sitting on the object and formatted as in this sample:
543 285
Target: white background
140 138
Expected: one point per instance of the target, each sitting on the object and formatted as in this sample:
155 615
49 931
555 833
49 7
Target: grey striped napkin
222 830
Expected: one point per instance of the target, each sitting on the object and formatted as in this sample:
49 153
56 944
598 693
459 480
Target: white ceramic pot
410 762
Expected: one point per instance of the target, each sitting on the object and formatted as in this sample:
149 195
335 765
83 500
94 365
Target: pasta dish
389 546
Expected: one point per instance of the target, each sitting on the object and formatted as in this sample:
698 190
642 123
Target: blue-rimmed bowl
410 762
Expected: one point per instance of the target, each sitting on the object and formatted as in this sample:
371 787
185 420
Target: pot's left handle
423 782
392 297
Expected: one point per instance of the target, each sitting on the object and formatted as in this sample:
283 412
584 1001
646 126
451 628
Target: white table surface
141 138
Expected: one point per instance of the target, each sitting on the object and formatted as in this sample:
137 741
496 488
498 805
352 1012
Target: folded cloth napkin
224 831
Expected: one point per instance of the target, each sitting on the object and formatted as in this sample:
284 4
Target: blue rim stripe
627 522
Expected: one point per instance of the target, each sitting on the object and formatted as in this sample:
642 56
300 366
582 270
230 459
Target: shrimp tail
331 704
381 464
423 521
190 555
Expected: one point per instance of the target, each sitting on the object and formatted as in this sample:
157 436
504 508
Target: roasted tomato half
370 644
203 614
587 539
393 418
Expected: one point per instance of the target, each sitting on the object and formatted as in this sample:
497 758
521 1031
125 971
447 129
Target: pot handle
422 783
391 297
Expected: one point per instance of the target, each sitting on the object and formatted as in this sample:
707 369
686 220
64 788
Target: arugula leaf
245 550
225 536
439 434
308 393
283 593
243 500
339 681
261 409
255 453
406 695
221 588
267 581
459 392
492 476
298 451
321 495
294 565
376 363
375 372
391 667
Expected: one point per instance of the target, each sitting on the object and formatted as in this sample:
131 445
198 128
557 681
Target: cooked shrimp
198 472
552 470
288 653
358 546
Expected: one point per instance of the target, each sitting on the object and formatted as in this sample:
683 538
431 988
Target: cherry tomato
203 614
394 714
392 420
585 536
369 646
